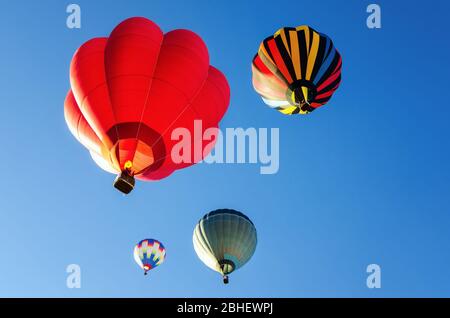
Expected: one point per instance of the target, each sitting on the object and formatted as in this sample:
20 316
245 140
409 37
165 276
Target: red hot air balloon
131 90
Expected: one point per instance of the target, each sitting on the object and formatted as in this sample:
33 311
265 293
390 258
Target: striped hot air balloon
225 240
296 70
149 253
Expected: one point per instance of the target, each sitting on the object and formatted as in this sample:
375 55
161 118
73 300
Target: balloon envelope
133 91
149 253
225 240
296 70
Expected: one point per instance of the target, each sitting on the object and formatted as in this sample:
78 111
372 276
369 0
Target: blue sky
363 180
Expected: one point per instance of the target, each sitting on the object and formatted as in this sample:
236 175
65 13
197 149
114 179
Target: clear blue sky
363 180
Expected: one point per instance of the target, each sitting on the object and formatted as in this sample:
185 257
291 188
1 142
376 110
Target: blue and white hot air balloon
149 253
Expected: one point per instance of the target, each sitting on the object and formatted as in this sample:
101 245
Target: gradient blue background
363 180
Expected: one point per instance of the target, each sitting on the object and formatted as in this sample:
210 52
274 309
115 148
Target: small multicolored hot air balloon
296 70
149 253
131 90
225 240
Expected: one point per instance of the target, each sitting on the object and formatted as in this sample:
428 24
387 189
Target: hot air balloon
132 90
148 254
296 70
225 240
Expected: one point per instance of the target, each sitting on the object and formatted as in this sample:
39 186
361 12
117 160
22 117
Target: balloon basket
124 182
